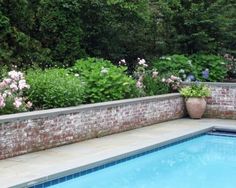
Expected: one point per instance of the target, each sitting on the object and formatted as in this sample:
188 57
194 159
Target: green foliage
231 66
183 66
3 71
215 64
154 86
195 26
104 81
195 90
179 65
115 29
54 88
57 32
18 48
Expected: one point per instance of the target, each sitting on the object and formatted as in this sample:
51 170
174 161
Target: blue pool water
203 162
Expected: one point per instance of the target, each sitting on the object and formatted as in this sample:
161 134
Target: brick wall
222 104
34 131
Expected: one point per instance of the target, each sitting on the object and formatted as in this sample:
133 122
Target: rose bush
12 93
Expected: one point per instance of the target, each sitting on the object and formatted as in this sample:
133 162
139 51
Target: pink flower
18 102
7 81
2 101
169 80
22 84
15 75
3 85
29 104
13 86
139 84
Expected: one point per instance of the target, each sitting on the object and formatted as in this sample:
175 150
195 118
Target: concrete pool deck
26 170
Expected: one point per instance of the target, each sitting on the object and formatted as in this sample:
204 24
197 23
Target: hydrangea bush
104 81
12 93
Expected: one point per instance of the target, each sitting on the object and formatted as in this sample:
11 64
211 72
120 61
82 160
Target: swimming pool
202 162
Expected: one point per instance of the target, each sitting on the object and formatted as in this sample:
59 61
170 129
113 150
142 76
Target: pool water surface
206 161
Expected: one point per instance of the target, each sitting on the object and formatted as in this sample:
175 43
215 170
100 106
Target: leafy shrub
154 85
209 67
178 65
231 66
54 88
12 98
195 90
105 82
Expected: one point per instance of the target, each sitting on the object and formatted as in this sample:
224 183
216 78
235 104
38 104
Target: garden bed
33 131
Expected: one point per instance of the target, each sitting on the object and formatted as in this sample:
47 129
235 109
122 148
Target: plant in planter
195 99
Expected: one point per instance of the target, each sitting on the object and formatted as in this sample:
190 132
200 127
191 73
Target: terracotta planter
196 107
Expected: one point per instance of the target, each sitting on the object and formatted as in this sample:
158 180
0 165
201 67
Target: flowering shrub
210 68
178 65
12 98
174 82
54 88
148 82
104 81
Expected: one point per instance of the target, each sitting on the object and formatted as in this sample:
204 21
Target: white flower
104 70
190 62
122 62
155 74
76 75
141 62
29 104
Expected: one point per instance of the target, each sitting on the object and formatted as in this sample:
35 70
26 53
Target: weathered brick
28 135
222 104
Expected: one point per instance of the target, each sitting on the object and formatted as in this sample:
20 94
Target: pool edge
113 158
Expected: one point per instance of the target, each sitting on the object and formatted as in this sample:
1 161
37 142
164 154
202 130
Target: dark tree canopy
57 32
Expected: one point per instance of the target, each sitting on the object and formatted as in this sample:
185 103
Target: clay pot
196 107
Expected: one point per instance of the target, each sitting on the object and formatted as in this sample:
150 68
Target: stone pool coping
23 171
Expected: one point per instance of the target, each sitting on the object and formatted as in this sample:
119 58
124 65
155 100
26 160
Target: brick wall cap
220 84
70 110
